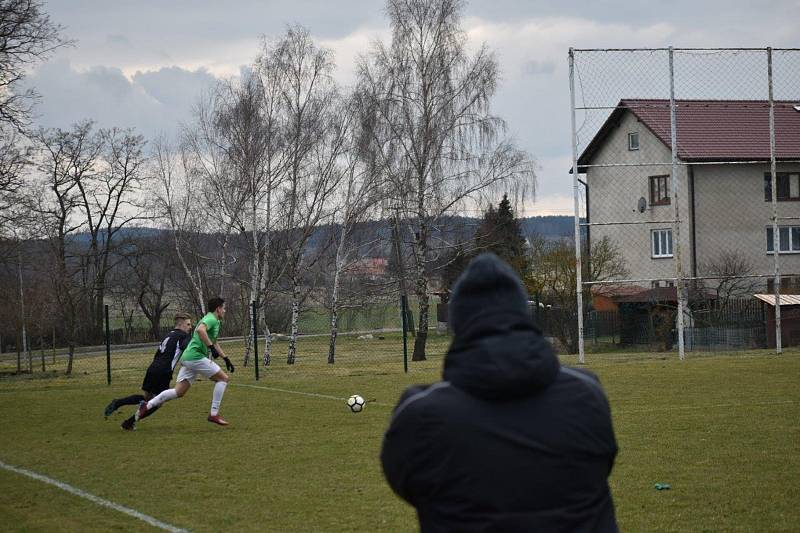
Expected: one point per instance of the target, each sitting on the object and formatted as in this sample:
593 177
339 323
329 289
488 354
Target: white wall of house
614 193
732 215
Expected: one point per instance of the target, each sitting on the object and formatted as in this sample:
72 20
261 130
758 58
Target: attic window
633 141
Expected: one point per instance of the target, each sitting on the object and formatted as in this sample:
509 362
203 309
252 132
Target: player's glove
213 351
228 364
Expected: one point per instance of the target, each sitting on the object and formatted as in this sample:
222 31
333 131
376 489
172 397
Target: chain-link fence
687 197
369 339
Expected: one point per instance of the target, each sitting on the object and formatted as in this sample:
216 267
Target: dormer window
633 141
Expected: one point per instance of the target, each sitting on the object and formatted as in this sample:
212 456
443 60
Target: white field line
91 497
301 393
614 410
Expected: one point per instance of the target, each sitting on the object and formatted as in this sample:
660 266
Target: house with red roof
724 186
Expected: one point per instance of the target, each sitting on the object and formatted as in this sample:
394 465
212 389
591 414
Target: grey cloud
172 86
151 102
109 80
533 95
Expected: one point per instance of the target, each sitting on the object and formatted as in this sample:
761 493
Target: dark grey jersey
169 351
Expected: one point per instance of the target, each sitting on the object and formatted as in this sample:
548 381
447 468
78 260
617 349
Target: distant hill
550 227
451 229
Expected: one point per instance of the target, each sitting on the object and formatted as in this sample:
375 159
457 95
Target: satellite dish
642 205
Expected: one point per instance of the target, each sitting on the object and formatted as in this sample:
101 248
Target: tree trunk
223 268
334 333
422 330
267 344
195 284
97 330
334 313
255 273
70 357
265 277
155 326
295 316
248 339
335 293
422 294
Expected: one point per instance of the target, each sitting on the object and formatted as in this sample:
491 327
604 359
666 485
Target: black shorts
156 381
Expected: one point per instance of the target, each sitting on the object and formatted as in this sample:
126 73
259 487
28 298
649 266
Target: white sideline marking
618 409
91 497
301 393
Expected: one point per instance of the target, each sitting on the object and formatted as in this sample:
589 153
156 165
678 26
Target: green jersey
197 349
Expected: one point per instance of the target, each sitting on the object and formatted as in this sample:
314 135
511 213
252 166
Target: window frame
633 135
792 240
668 242
662 283
783 186
667 200
789 285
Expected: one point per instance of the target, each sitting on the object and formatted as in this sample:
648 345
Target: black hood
497 352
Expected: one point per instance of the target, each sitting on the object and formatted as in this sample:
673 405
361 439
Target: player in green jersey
196 361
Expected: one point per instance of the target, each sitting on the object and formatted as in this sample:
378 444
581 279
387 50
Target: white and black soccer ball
356 403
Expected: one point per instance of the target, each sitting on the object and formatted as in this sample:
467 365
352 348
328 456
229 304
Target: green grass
721 429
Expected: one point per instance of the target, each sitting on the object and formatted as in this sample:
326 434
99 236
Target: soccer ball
356 403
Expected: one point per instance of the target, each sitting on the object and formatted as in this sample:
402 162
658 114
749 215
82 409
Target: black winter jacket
508 441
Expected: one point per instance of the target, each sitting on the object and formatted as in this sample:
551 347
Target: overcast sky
144 63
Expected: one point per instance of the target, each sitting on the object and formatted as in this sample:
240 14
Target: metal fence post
575 193
255 336
775 231
679 287
108 346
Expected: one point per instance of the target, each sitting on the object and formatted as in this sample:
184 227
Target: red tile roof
712 130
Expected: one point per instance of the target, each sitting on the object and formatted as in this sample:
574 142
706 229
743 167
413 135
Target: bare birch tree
435 137
358 199
220 187
314 141
174 193
248 121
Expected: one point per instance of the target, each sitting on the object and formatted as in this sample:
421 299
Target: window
659 190
661 243
789 285
633 141
662 283
788 187
788 239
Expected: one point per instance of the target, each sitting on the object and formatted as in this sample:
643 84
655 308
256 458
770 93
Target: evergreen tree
500 232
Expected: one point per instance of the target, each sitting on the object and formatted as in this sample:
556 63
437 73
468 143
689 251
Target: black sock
132 418
134 399
151 411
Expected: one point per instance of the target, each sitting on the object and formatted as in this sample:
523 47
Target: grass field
722 430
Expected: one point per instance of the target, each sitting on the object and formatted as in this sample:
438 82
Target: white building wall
614 193
732 216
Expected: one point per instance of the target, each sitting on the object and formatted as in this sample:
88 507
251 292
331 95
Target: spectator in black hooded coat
509 440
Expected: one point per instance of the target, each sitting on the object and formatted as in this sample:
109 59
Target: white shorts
190 369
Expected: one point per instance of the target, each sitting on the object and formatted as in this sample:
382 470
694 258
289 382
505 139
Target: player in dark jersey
159 373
